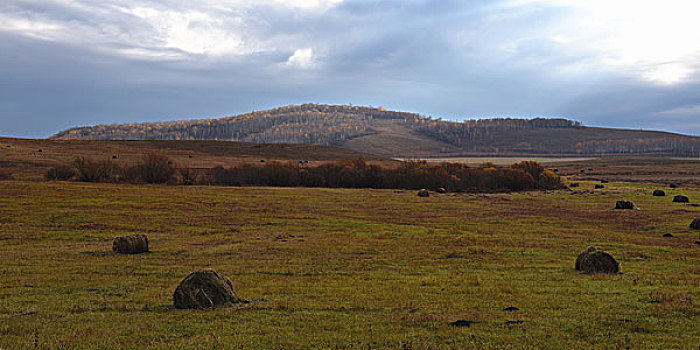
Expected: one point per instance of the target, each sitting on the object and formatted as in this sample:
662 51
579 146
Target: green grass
349 269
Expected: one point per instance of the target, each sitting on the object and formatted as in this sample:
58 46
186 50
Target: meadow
346 268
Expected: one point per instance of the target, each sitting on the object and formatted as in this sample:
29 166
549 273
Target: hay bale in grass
624 205
574 184
441 190
695 225
597 187
596 261
579 259
680 199
673 185
205 289
423 193
659 193
134 244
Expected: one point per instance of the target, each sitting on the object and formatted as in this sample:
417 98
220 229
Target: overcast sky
620 63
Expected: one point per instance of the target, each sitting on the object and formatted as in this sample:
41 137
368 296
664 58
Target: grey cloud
449 59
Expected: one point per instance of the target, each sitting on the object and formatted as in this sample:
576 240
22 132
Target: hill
400 134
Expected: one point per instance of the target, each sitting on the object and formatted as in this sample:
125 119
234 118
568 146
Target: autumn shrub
127 174
61 173
89 170
516 179
544 178
409 175
187 176
155 168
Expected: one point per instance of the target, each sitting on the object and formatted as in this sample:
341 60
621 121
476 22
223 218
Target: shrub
155 168
89 170
516 180
409 175
127 174
60 173
187 176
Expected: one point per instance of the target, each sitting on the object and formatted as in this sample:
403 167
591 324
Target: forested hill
400 134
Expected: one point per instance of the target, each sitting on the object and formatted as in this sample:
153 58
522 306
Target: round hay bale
582 256
574 184
441 190
598 261
624 205
659 193
680 199
695 225
205 289
133 244
604 181
597 187
423 193
673 186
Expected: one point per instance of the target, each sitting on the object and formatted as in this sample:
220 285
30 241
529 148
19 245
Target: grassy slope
24 159
392 138
345 268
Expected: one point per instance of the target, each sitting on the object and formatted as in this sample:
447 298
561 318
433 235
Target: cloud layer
627 64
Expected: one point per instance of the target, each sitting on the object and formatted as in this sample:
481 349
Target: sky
618 63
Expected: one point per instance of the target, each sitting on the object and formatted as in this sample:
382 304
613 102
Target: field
658 170
632 169
28 159
505 161
347 269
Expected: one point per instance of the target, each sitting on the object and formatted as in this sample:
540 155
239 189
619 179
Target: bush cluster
410 175
152 168
157 168
61 173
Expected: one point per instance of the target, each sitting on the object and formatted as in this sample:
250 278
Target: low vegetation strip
157 168
410 175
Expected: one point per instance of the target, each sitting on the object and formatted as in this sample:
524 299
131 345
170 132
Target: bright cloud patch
310 4
144 29
303 58
656 40
193 31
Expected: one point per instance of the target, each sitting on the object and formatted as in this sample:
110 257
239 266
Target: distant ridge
401 134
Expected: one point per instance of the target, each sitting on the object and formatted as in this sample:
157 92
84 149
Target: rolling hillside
400 134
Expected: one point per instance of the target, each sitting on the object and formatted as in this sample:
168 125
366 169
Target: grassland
29 159
348 269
